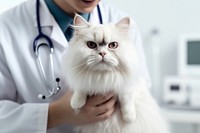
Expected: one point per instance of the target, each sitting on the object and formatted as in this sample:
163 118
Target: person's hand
97 108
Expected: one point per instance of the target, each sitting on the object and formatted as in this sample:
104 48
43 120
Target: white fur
138 112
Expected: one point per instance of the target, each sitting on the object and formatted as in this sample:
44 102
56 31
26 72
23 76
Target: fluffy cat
101 59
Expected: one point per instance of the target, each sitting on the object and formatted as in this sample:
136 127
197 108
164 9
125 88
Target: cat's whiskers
87 66
76 67
111 62
119 69
81 70
85 77
114 69
92 61
88 62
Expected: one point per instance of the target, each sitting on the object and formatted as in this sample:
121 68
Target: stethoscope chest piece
53 84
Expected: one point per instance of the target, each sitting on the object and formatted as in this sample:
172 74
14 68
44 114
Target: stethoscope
53 87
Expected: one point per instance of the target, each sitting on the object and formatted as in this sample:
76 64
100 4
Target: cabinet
183 116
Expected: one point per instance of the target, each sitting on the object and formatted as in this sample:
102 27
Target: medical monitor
189 55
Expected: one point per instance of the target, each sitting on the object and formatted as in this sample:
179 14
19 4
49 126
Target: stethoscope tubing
99 14
36 45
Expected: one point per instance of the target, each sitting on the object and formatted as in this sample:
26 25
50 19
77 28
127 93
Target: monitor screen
189 55
193 49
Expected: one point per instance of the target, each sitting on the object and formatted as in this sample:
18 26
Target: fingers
106 107
97 108
100 112
106 115
97 100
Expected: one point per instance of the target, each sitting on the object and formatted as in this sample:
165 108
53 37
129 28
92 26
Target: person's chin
86 10
88 5
89 2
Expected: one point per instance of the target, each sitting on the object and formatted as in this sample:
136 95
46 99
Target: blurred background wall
171 18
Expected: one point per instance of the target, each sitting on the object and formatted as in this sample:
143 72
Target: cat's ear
124 24
79 21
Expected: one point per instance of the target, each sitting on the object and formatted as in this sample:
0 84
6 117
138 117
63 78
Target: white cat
100 59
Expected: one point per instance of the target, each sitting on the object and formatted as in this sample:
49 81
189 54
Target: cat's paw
77 103
129 115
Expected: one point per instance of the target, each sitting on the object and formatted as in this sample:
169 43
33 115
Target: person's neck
65 7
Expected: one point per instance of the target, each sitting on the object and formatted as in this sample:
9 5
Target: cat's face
100 55
99 48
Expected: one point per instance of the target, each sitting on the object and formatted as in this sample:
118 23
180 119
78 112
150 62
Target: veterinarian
33 37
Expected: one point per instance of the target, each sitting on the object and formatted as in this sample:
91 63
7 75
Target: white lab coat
20 81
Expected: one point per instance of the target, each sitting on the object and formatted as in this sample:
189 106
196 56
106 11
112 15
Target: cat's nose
102 54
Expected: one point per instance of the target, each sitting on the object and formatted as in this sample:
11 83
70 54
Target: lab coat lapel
94 16
58 35
47 21
46 18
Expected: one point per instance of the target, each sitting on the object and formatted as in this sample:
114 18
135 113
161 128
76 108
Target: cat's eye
91 44
113 45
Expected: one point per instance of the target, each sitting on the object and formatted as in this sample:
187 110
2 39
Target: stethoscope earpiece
40 96
58 80
58 88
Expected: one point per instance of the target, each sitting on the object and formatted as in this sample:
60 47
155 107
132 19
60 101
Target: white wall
171 17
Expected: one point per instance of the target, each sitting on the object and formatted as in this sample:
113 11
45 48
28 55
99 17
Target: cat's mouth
107 62
103 62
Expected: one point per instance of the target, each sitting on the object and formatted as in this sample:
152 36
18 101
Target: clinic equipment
188 55
52 88
182 92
